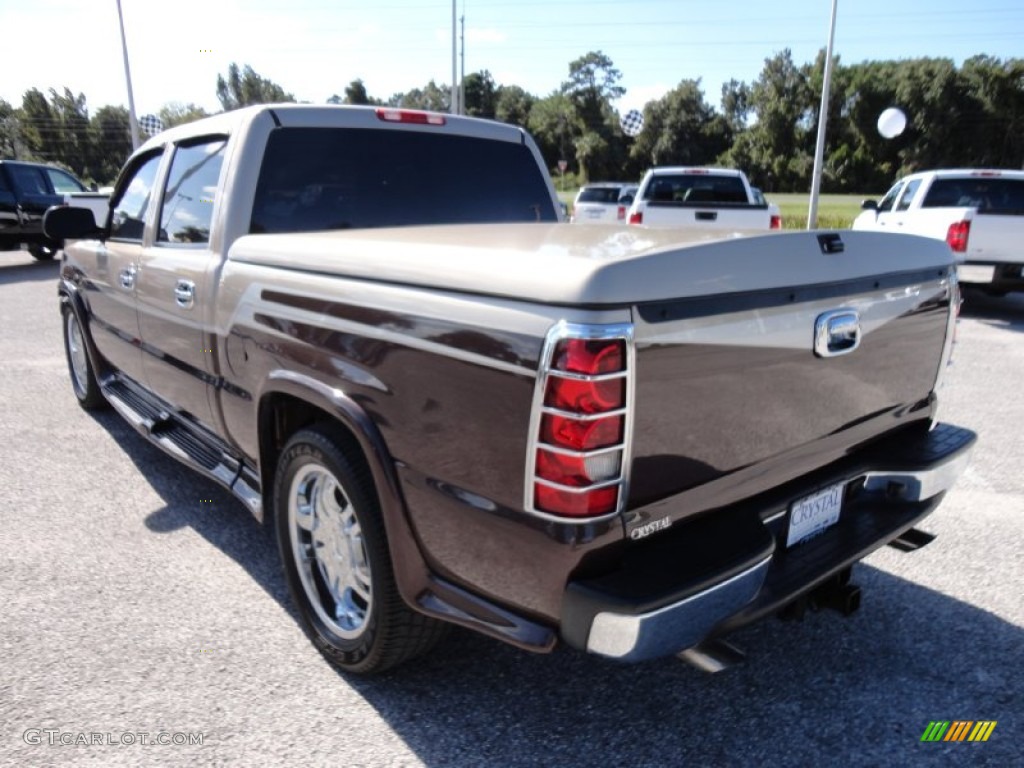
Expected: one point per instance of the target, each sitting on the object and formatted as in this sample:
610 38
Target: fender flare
410 569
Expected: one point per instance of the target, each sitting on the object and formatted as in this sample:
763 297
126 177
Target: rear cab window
349 178
988 195
608 195
696 188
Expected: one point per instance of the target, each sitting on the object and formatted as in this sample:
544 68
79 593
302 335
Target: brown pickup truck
369 325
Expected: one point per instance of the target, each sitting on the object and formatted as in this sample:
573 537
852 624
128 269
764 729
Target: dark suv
26 191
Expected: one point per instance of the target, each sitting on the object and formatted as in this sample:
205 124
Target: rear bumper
728 568
993 276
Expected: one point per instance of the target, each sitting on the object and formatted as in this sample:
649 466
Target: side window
29 180
128 219
908 195
187 208
890 198
64 183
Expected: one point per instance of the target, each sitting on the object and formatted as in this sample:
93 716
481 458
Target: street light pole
819 150
133 123
454 105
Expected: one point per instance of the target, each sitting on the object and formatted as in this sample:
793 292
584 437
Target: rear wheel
336 560
83 380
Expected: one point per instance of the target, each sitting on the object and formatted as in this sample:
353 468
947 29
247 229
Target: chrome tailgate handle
185 294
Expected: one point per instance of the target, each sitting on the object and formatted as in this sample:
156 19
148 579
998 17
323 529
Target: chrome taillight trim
596 332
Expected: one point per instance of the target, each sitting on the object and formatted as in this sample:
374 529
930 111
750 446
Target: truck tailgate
996 237
716 216
733 398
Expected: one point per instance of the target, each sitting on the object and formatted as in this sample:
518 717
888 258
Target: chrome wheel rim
76 353
327 542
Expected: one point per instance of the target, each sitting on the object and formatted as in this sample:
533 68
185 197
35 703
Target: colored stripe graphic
958 732
982 730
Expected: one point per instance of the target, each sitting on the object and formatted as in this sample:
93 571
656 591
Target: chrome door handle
185 294
127 278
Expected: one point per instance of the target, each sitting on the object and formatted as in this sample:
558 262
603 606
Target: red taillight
410 116
589 504
957 234
775 223
580 435
622 212
579 452
589 356
636 218
581 396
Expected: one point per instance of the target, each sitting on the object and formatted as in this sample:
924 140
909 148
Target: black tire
42 251
83 379
325 501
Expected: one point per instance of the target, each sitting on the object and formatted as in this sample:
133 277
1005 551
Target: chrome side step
186 445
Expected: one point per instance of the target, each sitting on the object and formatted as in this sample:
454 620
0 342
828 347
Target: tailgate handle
836 333
706 215
831 243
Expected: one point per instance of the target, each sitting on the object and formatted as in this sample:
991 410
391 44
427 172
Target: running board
188 446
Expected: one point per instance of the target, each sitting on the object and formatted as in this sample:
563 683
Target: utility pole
454 106
462 74
819 150
133 123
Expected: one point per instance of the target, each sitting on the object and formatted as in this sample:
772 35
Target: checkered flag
151 124
632 122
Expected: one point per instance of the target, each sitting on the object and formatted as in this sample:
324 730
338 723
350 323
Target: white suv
605 202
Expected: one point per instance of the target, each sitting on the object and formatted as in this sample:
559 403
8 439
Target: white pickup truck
701 198
979 213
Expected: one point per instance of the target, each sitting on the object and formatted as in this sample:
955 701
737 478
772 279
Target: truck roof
336 115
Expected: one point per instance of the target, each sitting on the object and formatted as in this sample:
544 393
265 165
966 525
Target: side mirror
62 222
869 205
94 187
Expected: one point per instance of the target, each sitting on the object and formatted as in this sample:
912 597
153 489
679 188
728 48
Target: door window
128 219
64 183
908 195
187 209
890 198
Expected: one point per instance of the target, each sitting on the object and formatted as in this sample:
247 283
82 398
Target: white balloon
892 122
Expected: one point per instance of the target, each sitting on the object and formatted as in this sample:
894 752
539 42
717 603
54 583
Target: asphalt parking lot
140 600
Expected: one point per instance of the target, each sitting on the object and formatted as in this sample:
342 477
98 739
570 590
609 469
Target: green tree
681 128
513 105
111 143
481 94
592 86
555 127
432 97
244 87
8 131
355 93
175 113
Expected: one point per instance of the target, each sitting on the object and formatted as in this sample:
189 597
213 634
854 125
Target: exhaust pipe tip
713 656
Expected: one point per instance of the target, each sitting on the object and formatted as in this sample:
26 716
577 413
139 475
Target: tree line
966 116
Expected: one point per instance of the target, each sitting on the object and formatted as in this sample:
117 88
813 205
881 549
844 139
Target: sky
314 48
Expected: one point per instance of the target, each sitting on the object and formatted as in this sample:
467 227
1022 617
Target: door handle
185 294
127 278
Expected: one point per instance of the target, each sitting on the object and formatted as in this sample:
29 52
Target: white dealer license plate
814 513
